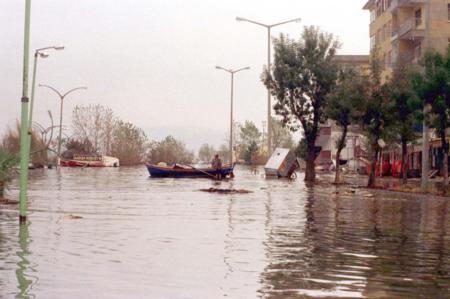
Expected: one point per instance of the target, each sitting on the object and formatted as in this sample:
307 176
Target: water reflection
363 247
24 267
163 238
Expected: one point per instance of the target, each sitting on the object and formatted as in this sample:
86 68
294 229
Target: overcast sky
153 62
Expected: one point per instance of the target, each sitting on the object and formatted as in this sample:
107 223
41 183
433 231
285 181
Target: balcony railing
405 3
411 28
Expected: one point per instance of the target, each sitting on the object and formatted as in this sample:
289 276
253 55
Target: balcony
412 56
411 29
395 4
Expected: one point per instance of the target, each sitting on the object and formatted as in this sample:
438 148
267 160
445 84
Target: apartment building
329 132
404 29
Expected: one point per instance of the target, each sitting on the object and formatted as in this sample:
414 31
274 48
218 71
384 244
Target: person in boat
216 165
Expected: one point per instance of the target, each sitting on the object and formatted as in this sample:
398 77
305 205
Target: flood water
162 238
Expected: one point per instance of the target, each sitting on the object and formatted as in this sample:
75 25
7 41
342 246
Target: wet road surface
162 238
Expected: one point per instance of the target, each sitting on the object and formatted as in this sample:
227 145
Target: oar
201 171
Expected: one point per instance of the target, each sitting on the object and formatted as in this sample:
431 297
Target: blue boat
187 171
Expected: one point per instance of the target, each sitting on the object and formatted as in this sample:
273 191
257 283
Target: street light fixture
232 72
61 96
38 53
26 121
269 107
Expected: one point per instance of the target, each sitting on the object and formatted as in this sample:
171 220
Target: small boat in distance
186 171
89 161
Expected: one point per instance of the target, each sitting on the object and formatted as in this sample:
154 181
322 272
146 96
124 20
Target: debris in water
72 217
5 201
225 191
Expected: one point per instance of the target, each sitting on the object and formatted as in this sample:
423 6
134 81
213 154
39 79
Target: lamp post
269 106
38 53
61 96
24 154
232 72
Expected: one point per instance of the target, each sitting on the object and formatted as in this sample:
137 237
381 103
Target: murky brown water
161 238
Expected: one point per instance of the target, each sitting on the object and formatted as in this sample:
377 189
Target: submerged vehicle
187 171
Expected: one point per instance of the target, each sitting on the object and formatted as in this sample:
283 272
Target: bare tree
95 123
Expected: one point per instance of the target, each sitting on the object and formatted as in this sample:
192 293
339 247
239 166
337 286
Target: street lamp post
61 96
232 72
24 154
38 53
269 106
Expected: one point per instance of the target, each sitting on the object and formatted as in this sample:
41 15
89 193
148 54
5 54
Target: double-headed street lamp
269 107
27 118
61 96
232 72
39 53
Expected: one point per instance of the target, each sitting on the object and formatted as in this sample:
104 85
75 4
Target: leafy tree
206 152
169 150
301 151
303 74
8 163
128 143
433 87
345 106
224 152
378 117
76 147
250 139
281 135
406 107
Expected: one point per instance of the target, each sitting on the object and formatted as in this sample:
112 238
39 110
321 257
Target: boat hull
169 172
104 161
77 163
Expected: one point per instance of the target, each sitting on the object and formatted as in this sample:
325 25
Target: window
373 15
448 8
372 42
418 15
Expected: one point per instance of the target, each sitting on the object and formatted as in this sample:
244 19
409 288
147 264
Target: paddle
201 171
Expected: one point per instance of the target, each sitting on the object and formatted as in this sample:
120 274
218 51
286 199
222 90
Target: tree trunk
404 162
373 168
337 176
445 164
2 189
340 146
310 172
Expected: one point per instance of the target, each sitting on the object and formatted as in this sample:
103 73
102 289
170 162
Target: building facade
404 29
329 132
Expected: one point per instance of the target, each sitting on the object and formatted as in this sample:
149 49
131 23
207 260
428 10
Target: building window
448 8
373 15
372 42
418 15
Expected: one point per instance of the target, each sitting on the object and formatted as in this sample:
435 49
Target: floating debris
225 191
5 201
72 217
